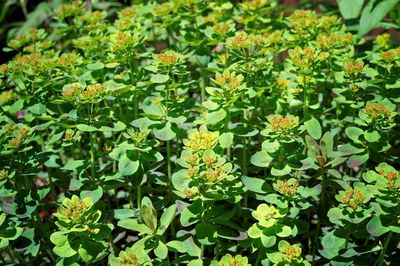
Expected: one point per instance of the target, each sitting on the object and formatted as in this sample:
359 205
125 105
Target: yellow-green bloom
229 260
201 140
266 215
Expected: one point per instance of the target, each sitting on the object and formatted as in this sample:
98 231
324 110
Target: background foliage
199 133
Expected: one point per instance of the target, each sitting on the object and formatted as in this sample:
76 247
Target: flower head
201 140
229 80
168 58
229 260
239 41
266 215
282 123
75 211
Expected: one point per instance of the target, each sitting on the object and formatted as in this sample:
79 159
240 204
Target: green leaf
350 9
94 194
313 128
64 251
206 234
354 133
176 245
86 128
95 66
373 13
226 140
281 172
375 227
134 225
73 165
126 166
261 159
213 118
58 238
191 214
149 214
122 214
326 144
159 78
372 136
161 251
15 107
165 134
166 218
256 185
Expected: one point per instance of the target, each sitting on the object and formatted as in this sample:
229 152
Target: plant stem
305 96
381 257
92 157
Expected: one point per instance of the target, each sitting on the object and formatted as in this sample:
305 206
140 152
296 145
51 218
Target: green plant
200 133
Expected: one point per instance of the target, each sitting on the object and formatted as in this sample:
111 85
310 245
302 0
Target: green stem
52 189
169 172
381 258
305 96
12 254
92 157
139 194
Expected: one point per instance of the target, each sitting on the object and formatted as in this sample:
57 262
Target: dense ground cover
199 133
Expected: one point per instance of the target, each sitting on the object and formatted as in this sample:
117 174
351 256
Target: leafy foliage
200 133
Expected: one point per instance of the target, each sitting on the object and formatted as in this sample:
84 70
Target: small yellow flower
267 215
228 79
282 123
376 110
71 91
388 56
353 67
239 41
383 40
291 253
163 9
288 189
93 91
3 174
201 140
168 58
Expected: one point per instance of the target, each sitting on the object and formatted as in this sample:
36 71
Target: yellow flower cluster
93 91
303 58
282 123
254 4
3 174
239 41
303 20
163 9
72 9
229 79
286 188
383 40
123 42
129 260
71 91
6 96
221 29
67 60
267 215
327 42
291 253
376 110
201 140
353 67
17 133
353 198
389 56
391 176
168 58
